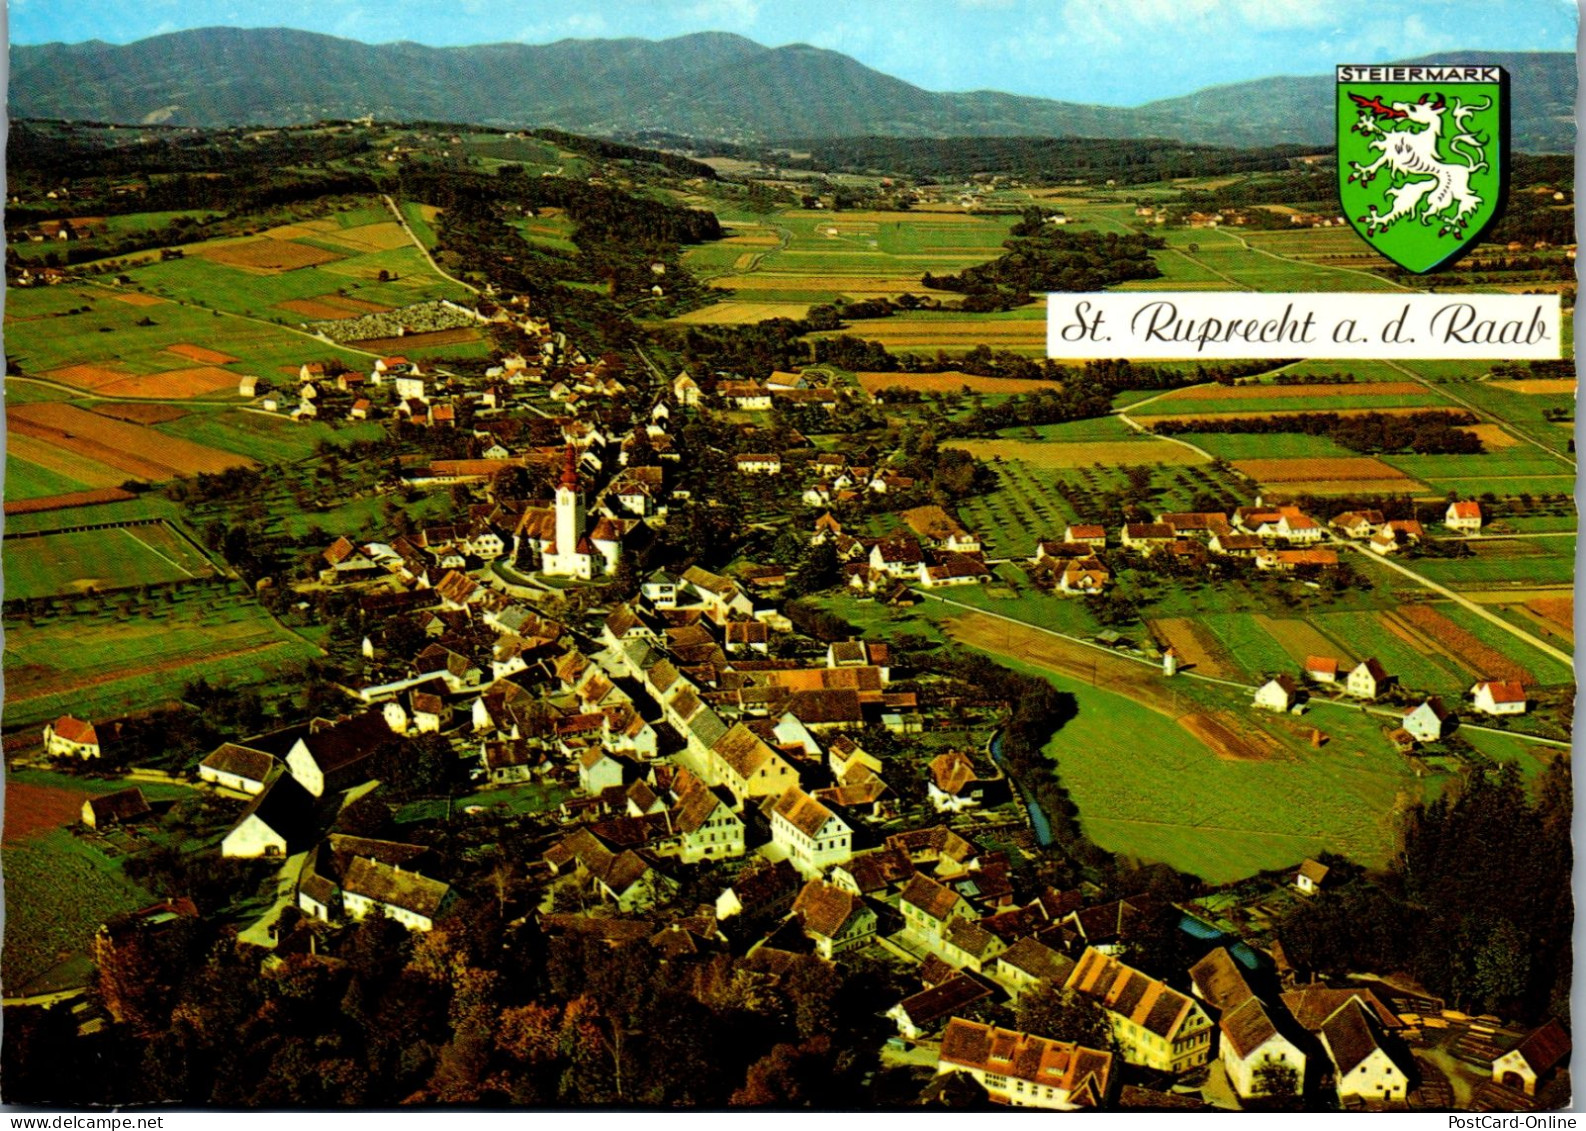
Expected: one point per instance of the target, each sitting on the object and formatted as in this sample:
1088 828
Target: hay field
742 313
176 383
200 354
1308 470
264 256
1536 386
951 381
1120 453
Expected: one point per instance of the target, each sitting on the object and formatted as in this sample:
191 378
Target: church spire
570 469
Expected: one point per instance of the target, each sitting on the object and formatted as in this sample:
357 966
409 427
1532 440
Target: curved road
418 243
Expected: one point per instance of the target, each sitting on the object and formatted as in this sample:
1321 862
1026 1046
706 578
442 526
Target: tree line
1435 432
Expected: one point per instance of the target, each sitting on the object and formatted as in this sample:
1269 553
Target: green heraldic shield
1421 157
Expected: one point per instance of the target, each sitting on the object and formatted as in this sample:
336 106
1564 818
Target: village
684 768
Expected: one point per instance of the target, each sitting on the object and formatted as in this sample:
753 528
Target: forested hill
710 85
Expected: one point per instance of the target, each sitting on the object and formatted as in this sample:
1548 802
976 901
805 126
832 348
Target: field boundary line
157 553
418 243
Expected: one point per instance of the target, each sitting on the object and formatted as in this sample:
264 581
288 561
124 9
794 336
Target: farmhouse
1157 1027
1524 1066
1429 721
1277 694
1358 524
1087 576
1463 517
1023 1070
1321 669
759 463
929 908
238 767
1087 534
1498 697
1310 878
279 822
1367 679
333 756
1362 1067
1250 1041
1147 536
1029 962
119 808
413 900
68 737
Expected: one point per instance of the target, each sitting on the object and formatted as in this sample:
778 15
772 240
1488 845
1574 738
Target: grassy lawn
1539 561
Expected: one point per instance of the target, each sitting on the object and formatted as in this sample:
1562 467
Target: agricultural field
1515 562
1190 776
950 381
779 265
119 349
114 654
131 450
1344 475
58 892
83 561
1260 400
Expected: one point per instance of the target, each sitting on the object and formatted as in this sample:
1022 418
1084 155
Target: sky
1116 52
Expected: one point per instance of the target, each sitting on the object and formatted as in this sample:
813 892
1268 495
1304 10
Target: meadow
114 654
50 565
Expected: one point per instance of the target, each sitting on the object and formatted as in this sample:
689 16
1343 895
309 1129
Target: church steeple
570 469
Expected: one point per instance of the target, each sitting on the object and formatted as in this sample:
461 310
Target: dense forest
1478 906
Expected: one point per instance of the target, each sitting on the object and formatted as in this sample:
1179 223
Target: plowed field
173 383
1318 470
265 256
140 413
1197 648
140 452
200 354
1484 660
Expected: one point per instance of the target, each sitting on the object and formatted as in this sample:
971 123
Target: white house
1498 697
68 737
413 900
1250 1042
598 771
276 823
237 767
1361 1066
1367 679
813 836
1524 1065
1463 517
1276 694
1429 721
1310 878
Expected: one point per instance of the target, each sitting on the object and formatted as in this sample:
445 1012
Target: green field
1146 788
266 437
1268 445
104 660
58 891
1257 406
1415 670
53 565
150 505
1539 561
109 330
26 480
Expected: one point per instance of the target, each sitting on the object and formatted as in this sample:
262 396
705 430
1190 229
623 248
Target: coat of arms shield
1421 150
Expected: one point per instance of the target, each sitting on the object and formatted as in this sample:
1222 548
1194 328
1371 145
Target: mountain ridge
709 85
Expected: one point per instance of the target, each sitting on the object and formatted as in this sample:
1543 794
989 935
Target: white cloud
723 13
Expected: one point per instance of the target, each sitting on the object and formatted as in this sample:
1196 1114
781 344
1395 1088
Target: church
567 545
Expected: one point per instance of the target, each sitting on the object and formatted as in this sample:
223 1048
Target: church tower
569 508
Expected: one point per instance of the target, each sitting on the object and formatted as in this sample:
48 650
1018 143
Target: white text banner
1375 325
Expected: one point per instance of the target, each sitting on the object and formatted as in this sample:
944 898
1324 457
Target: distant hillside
709 85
